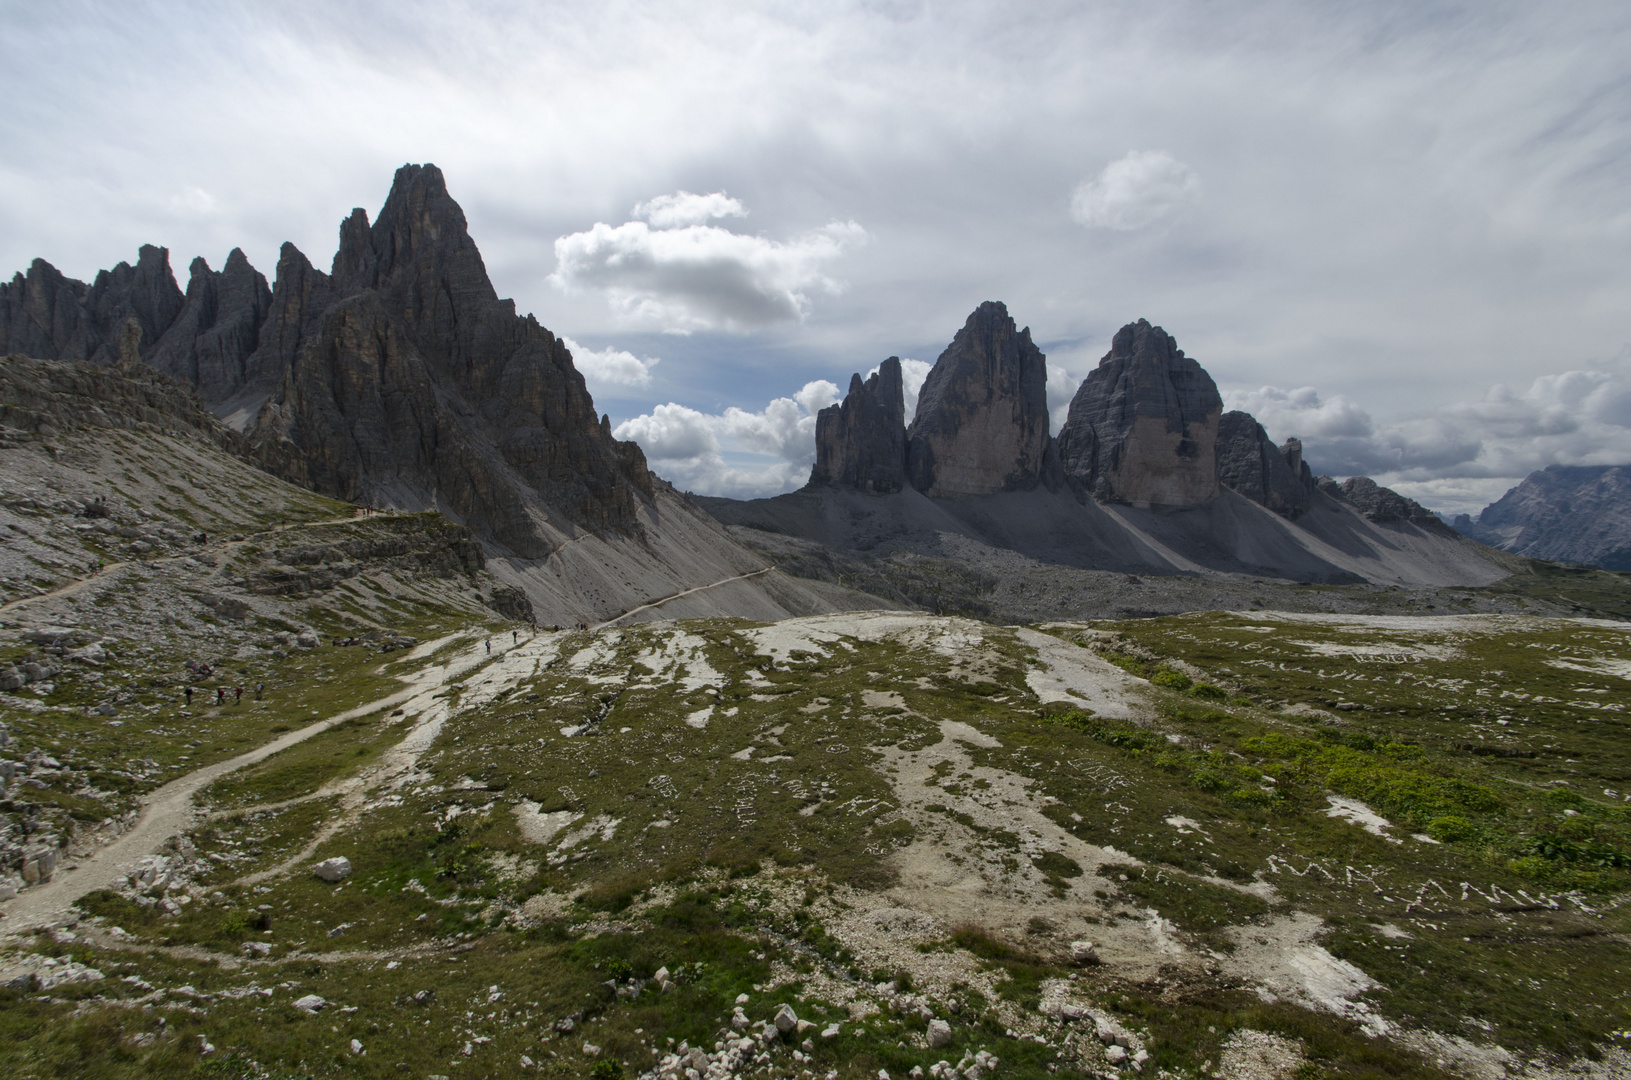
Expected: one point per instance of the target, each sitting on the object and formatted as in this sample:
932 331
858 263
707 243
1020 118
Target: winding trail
169 810
107 569
686 592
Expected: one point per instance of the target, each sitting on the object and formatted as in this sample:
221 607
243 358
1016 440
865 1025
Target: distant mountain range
400 378
1566 513
1147 475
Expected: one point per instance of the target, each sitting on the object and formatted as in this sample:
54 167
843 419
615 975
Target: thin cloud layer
1137 190
673 272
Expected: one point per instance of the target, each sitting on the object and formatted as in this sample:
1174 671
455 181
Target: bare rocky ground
958 575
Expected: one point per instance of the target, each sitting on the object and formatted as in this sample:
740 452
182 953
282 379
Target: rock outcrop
1143 425
982 415
1570 513
399 378
217 329
1250 463
1380 504
410 381
47 315
861 443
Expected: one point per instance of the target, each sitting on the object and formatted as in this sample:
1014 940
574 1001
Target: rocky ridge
1569 513
1250 463
398 378
1148 475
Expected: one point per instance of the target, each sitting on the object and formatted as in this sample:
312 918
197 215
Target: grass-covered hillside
1215 845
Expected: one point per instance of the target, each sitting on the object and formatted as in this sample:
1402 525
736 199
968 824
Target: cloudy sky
1398 230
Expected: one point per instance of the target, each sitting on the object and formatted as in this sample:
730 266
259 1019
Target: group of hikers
237 692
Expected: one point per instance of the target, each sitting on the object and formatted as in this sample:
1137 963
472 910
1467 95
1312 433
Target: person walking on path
515 637
220 695
237 695
260 687
187 692
489 644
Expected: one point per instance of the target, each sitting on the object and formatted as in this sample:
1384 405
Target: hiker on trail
238 695
188 692
259 688
220 695
489 644
515 637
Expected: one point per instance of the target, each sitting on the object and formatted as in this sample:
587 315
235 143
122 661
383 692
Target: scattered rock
1084 953
939 1034
311 1003
333 870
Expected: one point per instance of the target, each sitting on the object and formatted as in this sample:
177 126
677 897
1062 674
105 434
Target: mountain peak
982 415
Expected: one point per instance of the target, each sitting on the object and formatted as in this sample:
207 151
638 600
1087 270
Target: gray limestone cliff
409 380
1570 513
982 415
861 443
217 329
1250 463
47 315
400 377
1143 425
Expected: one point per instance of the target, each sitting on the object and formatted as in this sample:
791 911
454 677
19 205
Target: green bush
1451 829
1172 680
1208 692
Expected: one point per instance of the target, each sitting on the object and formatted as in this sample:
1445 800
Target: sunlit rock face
982 416
1143 426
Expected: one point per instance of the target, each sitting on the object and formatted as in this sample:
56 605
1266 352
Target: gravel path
169 810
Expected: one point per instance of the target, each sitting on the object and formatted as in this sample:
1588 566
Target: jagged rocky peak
1250 464
209 342
405 379
982 415
53 317
862 443
1143 425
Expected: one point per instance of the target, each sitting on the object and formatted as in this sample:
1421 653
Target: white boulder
333 870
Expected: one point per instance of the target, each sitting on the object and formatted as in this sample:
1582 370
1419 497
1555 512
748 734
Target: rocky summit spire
405 379
862 443
211 339
1250 464
1143 425
982 416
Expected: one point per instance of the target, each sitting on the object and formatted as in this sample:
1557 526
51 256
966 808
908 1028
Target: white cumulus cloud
742 454
1463 455
1134 191
609 369
674 272
683 208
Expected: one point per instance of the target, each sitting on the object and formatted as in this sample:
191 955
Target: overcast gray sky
1399 231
